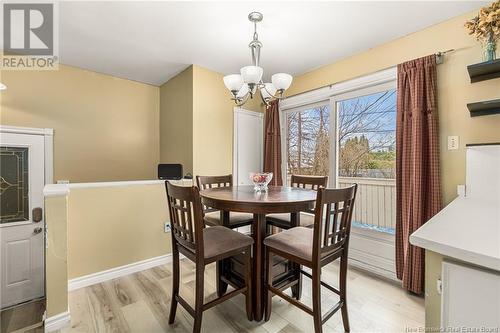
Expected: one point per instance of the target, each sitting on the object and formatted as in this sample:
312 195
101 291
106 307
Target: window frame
284 132
373 89
364 85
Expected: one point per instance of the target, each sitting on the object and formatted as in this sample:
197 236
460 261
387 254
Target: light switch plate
453 142
167 227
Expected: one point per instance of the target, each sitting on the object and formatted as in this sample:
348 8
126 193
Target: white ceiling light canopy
245 85
2 86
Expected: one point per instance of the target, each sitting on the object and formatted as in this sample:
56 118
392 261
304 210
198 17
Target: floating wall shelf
484 71
484 108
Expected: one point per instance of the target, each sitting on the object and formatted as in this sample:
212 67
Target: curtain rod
440 56
439 60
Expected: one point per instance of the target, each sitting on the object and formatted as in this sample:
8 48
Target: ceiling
153 41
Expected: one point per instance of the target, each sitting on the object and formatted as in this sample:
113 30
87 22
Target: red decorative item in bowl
260 180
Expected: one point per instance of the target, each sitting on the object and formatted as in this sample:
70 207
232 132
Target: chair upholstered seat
297 241
221 240
235 219
283 219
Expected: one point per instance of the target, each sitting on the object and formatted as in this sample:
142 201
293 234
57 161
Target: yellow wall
114 226
105 128
176 120
196 117
454 92
56 261
212 124
433 262
94 229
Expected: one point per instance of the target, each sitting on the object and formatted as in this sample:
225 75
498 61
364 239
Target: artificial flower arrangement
485 27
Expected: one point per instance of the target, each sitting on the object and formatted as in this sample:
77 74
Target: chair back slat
206 182
186 216
309 182
335 219
332 223
326 226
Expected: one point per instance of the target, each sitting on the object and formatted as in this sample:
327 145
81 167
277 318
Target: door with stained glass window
21 218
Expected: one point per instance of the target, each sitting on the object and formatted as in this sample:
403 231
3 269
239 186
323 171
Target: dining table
243 198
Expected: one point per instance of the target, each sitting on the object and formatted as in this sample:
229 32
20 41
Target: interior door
248 145
21 221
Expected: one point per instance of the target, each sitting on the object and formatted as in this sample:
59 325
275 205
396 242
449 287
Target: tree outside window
366 133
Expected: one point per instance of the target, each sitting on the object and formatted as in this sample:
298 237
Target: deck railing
375 201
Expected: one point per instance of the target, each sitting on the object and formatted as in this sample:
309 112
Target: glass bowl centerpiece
260 180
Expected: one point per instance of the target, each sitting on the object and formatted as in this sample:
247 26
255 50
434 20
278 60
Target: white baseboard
117 272
57 322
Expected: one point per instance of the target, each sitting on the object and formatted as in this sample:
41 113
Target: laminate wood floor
140 302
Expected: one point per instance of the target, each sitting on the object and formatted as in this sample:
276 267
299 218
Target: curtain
272 143
418 191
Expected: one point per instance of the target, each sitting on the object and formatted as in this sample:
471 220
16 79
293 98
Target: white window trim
325 93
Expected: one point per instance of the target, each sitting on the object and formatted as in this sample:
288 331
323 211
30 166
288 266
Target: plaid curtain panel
272 143
418 188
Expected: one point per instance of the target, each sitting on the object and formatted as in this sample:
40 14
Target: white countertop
467 229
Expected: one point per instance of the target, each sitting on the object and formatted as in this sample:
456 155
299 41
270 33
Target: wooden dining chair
202 246
306 218
315 248
215 217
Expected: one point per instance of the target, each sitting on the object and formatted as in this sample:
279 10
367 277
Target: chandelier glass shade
246 84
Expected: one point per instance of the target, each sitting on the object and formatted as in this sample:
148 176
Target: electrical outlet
453 142
166 227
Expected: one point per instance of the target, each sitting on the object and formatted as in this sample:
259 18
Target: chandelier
246 84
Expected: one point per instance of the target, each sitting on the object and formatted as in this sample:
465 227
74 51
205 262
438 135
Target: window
367 157
307 141
367 135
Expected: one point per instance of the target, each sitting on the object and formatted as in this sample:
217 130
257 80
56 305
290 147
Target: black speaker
170 171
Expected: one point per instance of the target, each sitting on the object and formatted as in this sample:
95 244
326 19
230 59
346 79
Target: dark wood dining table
277 199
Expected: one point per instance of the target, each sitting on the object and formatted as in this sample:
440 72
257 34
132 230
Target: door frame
48 134
236 111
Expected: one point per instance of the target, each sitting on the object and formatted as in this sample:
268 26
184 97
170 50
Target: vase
490 50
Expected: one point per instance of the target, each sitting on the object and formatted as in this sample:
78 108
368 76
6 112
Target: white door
248 154
21 237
